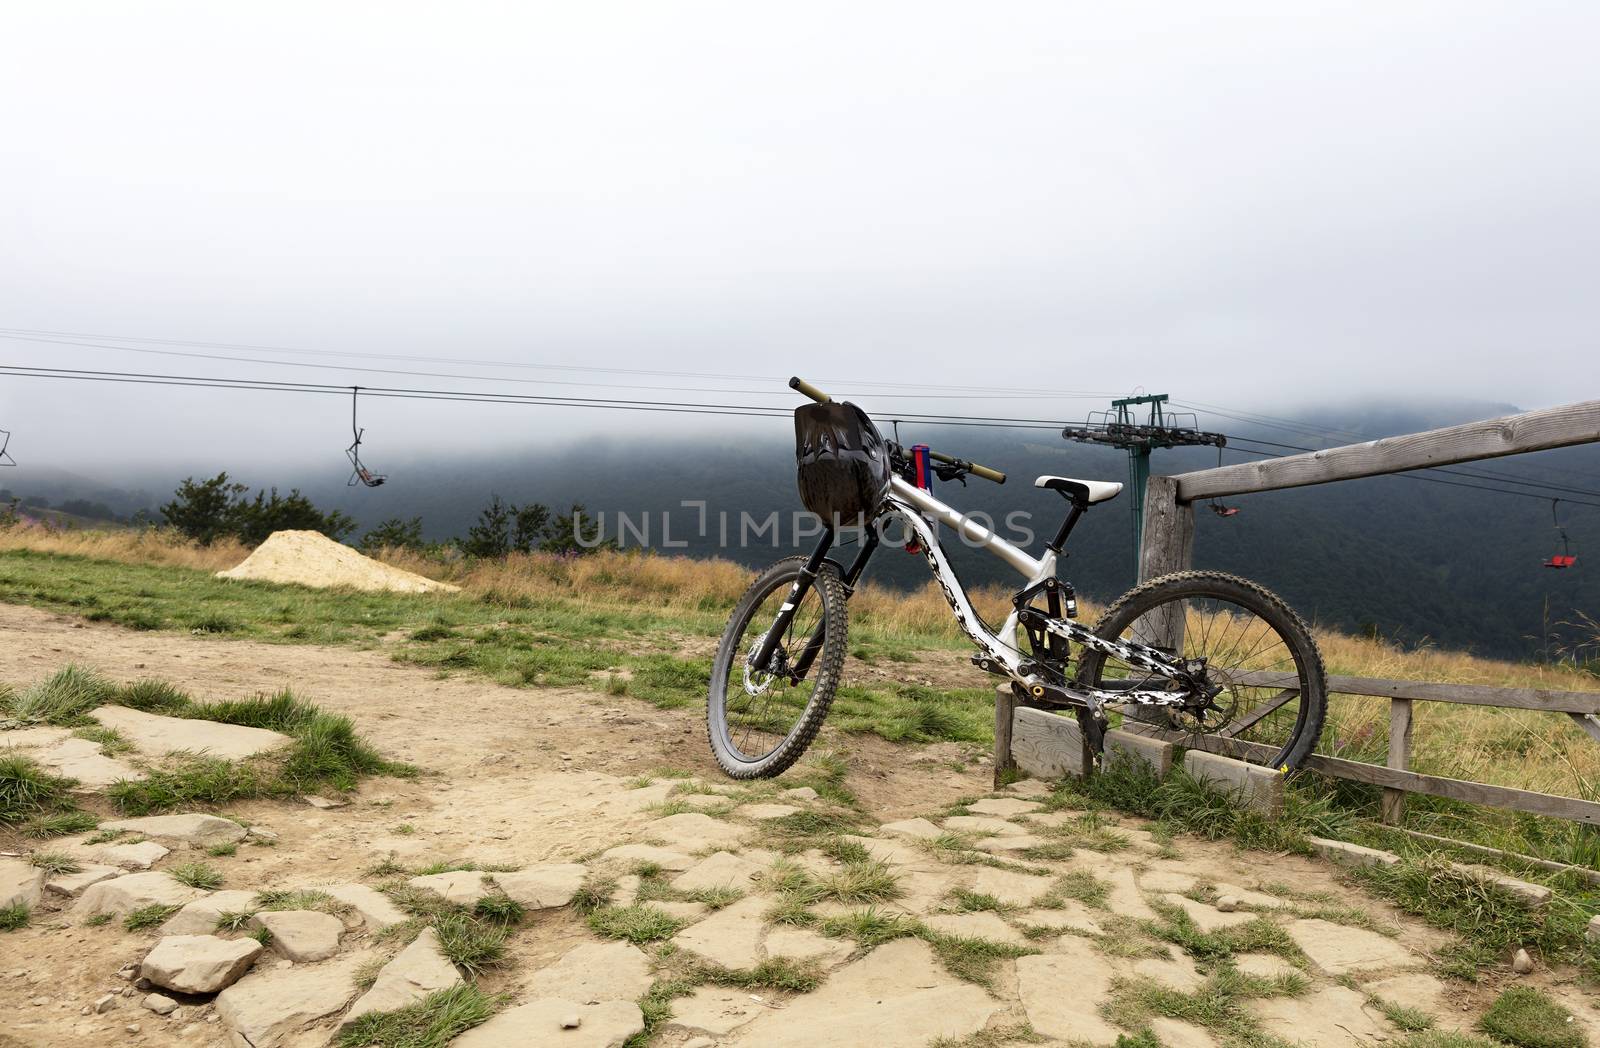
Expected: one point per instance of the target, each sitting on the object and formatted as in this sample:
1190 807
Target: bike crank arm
1095 698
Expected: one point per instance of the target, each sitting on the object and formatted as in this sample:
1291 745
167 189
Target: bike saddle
1088 491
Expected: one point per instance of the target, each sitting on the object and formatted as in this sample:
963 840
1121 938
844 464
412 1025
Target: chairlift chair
1219 508
5 456
1566 558
360 474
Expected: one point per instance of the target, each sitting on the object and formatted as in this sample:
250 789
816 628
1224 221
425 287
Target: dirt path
541 779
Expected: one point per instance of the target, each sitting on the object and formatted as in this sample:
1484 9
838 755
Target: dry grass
130 546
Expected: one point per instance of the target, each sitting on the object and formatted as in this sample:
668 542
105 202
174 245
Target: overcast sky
1255 205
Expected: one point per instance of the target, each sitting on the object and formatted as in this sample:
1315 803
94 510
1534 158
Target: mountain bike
1207 659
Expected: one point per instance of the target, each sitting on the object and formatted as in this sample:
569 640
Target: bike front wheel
1271 692
759 723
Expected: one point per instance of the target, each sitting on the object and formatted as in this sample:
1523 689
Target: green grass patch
27 791
774 973
14 917
473 946
148 917
55 864
64 698
1525 1017
971 959
196 875
636 924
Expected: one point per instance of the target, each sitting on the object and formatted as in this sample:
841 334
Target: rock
799 793
261 833
918 829
21 883
267 1009
82 760
765 811
541 1023
609 971
418 970
376 910
1029 788
721 870
205 830
662 857
139 856
105 1004
302 936
1004 807
1255 900
1072 916
160 1004
324 803
1208 918
572 1021
157 735
983 925
731 937
1335 1017
1176 974
134 891
692 831
544 886
898 996
1521 963
716 1010
1338 949
462 887
802 944
1416 990
1054 1013
1174 1033
893 852
684 911
201 916
983 824
1227 903
1003 845
198 963
1264 965
131 1028
1013 889
72 885
1592 933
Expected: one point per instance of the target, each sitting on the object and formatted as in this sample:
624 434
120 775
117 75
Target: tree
572 534
394 533
204 511
211 509
531 522
491 536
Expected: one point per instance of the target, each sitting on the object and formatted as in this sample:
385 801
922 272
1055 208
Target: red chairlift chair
1566 558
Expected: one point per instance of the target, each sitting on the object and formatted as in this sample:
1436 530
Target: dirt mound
310 558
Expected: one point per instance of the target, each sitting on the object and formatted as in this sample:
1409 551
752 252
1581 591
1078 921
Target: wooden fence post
1394 800
1005 705
1167 546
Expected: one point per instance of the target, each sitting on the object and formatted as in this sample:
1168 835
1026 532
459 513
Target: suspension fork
813 648
797 593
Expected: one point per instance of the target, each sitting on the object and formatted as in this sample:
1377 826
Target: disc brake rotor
757 683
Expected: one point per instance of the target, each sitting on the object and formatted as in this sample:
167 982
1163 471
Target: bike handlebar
807 389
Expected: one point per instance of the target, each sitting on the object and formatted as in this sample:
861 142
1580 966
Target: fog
1263 206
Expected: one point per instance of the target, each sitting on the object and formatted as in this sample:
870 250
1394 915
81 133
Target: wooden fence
1168 545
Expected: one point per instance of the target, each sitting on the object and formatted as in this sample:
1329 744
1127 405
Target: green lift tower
1118 428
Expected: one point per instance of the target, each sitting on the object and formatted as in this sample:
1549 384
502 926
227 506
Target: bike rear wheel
1273 690
760 723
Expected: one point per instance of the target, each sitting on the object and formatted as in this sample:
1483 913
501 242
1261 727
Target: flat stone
892 852
462 887
1175 1033
1003 807
1166 881
684 911
1530 895
1414 990
1174 973
83 760
198 963
200 917
603 971
721 870
1011 888
1592 932
692 831
160 1003
72 885
1028 788
765 811
302 936
1253 899
154 734
983 925
376 910
1052 819
1264 965
1338 949
1062 991
139 856
1208 918
665 858
190 829
703 800
799 793
716 1010
802 944
983 824
418 970
898 996
1124 896
1007 845
1073 916
918 829
732 937
21 883
543 1023
545 886
134 891
1352 854
33 738
268 1009
1335 1017
1248 784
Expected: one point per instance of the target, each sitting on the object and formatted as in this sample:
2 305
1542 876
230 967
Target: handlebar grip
808 389
976 470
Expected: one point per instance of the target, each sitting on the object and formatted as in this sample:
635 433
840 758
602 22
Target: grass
637 924
55 864
774 973
220 851
14 917
234 921
196 875
473 946
971 959
148 917
27 791
1525 1017
430 1023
